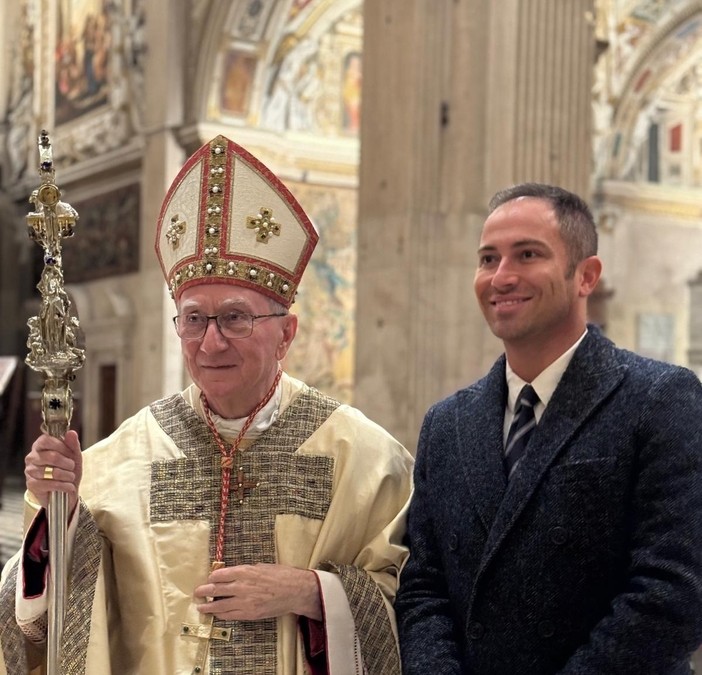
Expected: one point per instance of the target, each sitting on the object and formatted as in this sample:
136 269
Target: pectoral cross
205 631
242 485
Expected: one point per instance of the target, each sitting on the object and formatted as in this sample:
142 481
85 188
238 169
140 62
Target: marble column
459 100
164 86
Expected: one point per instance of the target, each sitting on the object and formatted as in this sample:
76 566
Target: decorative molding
680 203
327 161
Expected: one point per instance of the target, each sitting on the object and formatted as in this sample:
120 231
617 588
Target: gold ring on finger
48 473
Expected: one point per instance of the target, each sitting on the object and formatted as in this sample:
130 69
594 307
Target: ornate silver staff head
52 343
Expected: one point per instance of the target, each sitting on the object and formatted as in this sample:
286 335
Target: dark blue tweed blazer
590 561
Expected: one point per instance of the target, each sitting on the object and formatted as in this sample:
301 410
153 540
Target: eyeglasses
232 325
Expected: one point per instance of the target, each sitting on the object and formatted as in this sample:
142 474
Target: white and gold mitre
228 219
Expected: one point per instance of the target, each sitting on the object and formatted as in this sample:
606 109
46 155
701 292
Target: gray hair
276 307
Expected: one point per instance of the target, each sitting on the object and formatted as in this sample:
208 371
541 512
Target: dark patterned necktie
521 428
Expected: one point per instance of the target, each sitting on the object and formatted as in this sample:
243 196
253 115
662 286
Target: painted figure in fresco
351 92
82 58
237 83
294 89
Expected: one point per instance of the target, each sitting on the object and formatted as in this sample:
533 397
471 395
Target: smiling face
528 293
235 375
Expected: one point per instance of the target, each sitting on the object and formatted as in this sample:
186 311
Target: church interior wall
647 163
651 247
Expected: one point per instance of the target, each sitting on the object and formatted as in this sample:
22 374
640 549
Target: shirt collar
545 382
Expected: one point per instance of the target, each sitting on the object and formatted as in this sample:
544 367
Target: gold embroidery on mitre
214 205
264 224
175 230
228 269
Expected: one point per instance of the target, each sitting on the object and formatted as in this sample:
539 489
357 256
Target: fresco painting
82 58
237 82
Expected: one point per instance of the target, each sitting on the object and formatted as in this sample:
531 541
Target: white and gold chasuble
331 495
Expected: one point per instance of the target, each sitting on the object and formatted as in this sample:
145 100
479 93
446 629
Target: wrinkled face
235 374
522 281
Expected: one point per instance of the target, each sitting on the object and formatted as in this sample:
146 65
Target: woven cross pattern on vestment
289 483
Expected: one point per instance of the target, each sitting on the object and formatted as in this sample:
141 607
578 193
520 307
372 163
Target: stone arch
648 173
273 43
669 57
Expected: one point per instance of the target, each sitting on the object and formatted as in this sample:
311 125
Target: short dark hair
572 213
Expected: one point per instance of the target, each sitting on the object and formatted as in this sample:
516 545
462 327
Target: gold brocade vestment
333 489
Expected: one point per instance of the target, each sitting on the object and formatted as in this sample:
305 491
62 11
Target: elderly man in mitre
249 524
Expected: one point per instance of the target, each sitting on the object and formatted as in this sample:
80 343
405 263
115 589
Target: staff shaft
58 507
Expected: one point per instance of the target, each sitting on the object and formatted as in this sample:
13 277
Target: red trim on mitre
233 150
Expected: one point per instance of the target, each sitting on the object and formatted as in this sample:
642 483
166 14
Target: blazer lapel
479 429
591 376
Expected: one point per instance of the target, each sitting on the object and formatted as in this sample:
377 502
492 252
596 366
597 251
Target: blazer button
546 629
476 631
453 542
559 535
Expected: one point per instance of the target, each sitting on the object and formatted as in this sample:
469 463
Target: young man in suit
557 529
